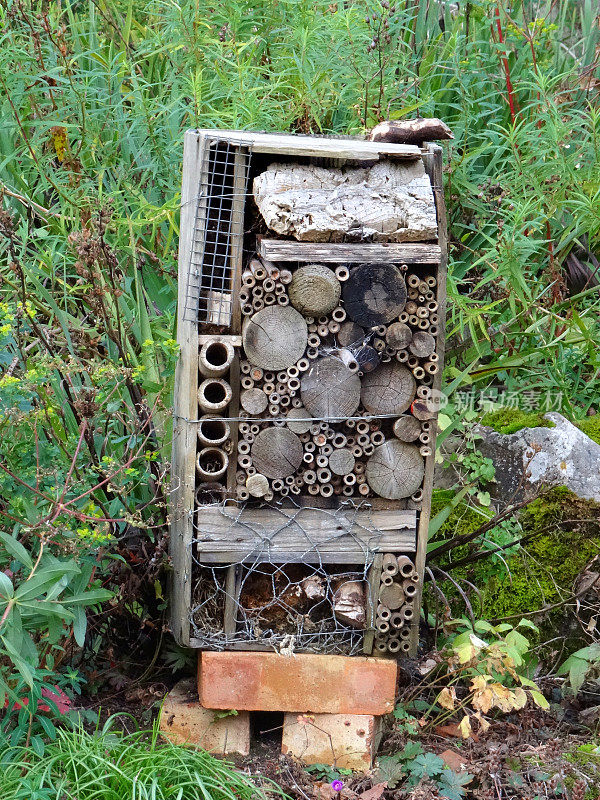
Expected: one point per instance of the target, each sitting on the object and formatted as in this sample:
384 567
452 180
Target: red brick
305 683
346 741
184 721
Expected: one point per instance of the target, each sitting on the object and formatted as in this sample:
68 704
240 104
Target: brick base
348 741
321 684
184 720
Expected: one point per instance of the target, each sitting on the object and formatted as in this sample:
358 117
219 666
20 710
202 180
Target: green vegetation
511 420
110 765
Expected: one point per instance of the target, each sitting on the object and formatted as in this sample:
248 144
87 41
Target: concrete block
303 682
184 720
348 741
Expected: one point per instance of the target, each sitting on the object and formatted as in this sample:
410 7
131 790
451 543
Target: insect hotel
310 324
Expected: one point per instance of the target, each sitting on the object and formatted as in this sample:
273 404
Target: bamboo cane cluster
395 609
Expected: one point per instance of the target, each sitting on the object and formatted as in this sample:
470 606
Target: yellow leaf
519 698
483 723
465 727
480 682
483 700
446 698
539 699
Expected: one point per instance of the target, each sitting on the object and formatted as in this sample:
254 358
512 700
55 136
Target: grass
110 765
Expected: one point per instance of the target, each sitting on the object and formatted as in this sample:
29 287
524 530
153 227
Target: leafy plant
582 665
414 765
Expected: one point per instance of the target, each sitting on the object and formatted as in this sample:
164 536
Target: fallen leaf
374 793
453 760
452 730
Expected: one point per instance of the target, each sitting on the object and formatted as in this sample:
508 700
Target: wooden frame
398 537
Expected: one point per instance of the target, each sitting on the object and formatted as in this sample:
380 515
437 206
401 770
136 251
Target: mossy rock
590 426
511 420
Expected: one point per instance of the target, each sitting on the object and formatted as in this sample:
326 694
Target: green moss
511 420
462 519
590 426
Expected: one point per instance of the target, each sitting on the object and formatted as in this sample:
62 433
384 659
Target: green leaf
20 665
429 764
44 579
79 625
17 550
87 598
539 699
6 588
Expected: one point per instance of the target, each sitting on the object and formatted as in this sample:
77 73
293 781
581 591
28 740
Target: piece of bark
349 602
276 452
275 338
390 389
375 294
398 335
411 131
329 390
314 290
395 470
389 201
407 428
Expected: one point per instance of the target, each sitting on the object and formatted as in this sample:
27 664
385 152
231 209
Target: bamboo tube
389 564
422 312
342 273
364 489
211 463
402 356
411 307
244 461
410 589
423 392
247 309
413 280
381 647
323 475
394 644
243 447
214 394
396 620
326 490
383 612
403 318
417 496
279 289
431 282
407 612
382 626
419 372
270 299
283 300
248 278
425 450
213 432
312 352
323 331
405 566
242 493
313 488
258 304
338 314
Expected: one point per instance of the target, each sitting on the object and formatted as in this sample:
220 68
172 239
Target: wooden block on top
322 684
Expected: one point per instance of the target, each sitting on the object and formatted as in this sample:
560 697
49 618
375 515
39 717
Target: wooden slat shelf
397 253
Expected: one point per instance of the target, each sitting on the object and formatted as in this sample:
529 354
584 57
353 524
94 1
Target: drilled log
254 401
276 452
395 470
407 428
390 389
275 338
329 390
375 294
314 290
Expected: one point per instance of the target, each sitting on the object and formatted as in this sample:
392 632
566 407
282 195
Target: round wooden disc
422 344
395 470
375 294
341 462
296 420
314 290
350 334
390 389
329 390
275 338
407 428
254 401
398 335
276 452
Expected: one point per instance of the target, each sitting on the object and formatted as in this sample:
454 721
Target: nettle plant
475 677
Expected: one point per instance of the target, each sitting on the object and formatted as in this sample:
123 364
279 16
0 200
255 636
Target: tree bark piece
398 335
275 338
341 462
349 602
411 131
407 428
329 390
395 470
254 401
390 389
386 202
314 290
422 344
374 294
276 452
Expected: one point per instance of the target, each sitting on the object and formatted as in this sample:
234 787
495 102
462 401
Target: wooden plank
433 165
374 579
185 405
313 146
230 535
233 340
326 253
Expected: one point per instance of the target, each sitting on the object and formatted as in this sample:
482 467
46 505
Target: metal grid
218 230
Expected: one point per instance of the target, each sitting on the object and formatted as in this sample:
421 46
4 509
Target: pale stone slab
347 741
389 201
184 720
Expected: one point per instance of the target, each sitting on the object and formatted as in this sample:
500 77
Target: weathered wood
276 452
230 535
183 458
386 202
254 401
329 390
407 428
298 420
411 131
392 596
398 335
275 338
422 344
215 358
373 577
350 602
314 290
375 294
233 339
390 389
312 146
395 470
348 252
257 485
350 334
341 462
